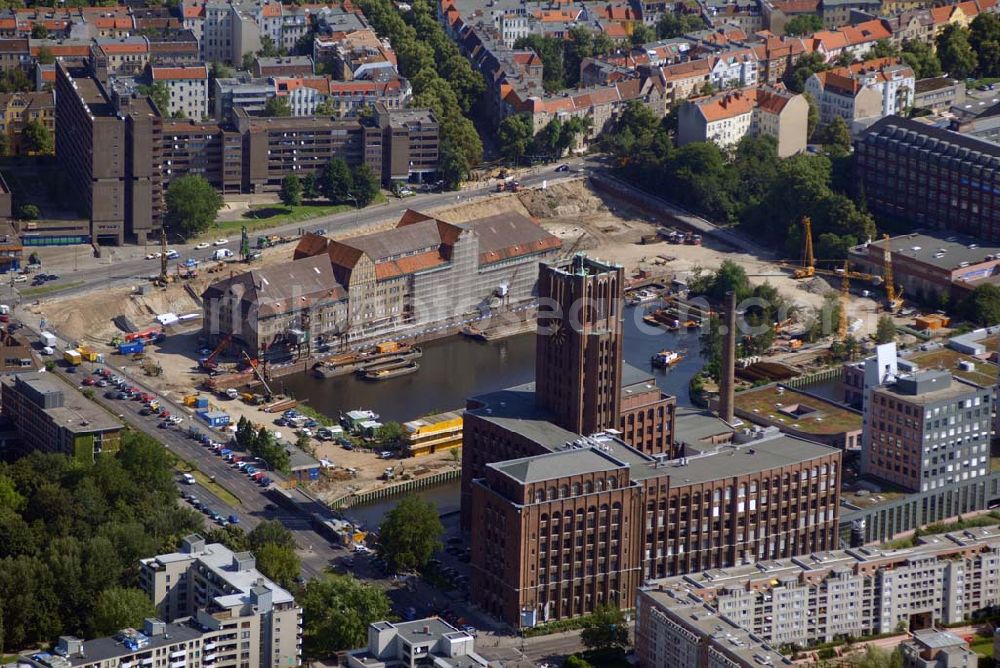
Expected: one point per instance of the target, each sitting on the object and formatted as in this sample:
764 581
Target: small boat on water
388 363
666 359
346 364
383 373
473 332
641 297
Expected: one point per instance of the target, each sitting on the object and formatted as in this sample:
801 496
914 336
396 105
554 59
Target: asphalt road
114 268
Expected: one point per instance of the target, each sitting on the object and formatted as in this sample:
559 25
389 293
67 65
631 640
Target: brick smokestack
727 376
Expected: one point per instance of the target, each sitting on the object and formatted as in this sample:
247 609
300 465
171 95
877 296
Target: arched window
588 487
563 491
552 493
576 489
539 495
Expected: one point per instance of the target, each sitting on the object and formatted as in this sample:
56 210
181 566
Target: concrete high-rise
578 354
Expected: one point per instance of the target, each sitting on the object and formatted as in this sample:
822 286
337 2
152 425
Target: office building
423 274
927 430
225 592
726 118
930 178
48 415
825 595
931 648
430 641
409 142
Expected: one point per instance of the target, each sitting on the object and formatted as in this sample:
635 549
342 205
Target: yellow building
17 109
433 433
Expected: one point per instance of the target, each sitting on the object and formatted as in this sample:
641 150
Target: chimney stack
727 379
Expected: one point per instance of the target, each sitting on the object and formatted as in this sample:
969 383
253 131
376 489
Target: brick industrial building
120 154
566 514
930 177
425 273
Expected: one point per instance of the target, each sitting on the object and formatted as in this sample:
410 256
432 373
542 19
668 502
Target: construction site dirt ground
571 210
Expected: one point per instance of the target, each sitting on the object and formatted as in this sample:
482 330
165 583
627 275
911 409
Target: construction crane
164 279
808 269
845 291
894 300
255 364
209 363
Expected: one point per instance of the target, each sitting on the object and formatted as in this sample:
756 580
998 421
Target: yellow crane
894 300
845 291
808 269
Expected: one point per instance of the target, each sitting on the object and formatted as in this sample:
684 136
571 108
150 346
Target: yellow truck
73 357
88 354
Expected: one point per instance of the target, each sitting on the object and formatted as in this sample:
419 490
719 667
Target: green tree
410 534
271 532
955 52
28 212
279 563
310 190
192 204
837 136
605 629
885 331
277 106
982 305
39 31
576 661
514 137
364 185
291 190
337 610
919 55
327 107
883 49
550 50
984 37
803 24
335 181
45 56
15 80
807 65
231 535
10 498
812 120
642 34
36 138
159 93
674 25
390 433
268 448
118 608
268 48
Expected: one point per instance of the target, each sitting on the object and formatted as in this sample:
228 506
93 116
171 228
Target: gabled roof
281 288
508 235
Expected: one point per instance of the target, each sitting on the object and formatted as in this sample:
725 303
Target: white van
188 479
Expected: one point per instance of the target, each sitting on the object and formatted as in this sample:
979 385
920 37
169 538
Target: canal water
455 368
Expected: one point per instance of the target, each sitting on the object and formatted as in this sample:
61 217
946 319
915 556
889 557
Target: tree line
337 182
749 186
72 534
442 79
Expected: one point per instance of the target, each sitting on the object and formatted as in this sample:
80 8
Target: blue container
201 402
130 348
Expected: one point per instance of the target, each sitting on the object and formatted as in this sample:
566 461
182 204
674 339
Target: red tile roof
191 72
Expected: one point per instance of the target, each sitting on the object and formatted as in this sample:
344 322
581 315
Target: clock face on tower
559 336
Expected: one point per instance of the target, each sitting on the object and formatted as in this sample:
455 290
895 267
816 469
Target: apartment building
930 177
282 66
183 642
226 593
50 416
174 46
125 56
109 147
432 641
424 273
276 147
817 597
205 148
853 39
18 109
249 94
681 632
927 430
726 118
188 89
863 92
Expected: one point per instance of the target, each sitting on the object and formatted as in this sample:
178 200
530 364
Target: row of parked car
253 467
212 514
